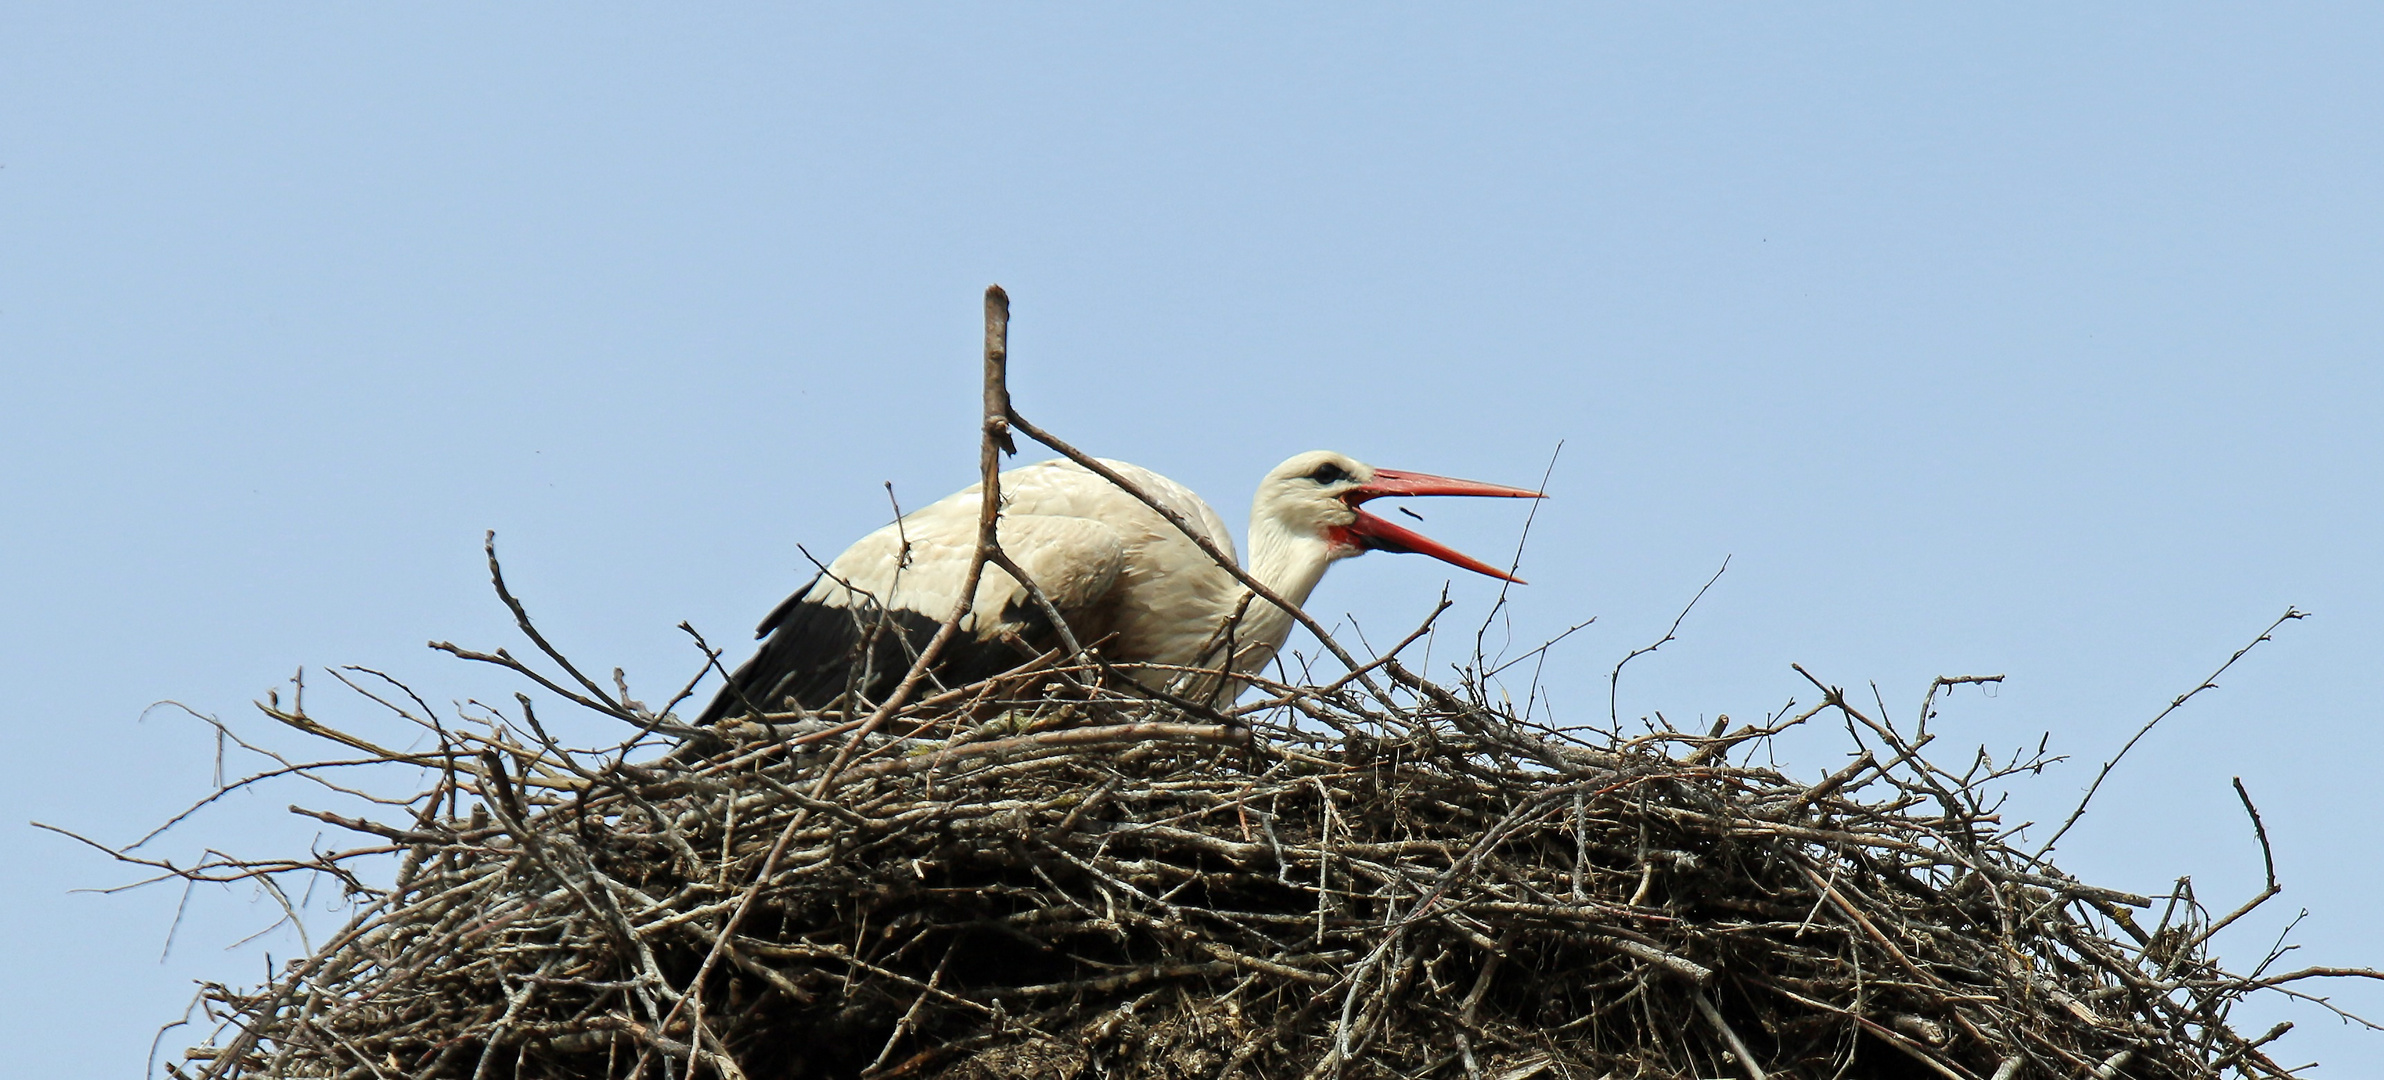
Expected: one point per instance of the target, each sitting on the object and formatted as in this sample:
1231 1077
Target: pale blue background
2040 342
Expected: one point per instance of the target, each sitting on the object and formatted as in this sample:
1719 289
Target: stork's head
1318 494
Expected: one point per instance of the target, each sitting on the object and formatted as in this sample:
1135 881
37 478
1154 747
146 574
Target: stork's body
1118 573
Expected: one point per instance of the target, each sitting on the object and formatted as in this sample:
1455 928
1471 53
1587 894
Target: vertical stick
991 448
997 378
995 445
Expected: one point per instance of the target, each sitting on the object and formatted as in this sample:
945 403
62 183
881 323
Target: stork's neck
1290 562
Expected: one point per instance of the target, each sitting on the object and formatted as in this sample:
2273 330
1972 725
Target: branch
2209 682
1614 682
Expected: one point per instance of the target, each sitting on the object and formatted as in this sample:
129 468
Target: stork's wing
1074 561
859 626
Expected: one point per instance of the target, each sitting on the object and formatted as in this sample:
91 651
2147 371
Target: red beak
1394 482
1375 534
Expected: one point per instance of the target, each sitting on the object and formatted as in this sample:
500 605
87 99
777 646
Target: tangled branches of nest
1054 874
1061 873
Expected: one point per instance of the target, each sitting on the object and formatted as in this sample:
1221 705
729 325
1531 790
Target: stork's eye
1328 473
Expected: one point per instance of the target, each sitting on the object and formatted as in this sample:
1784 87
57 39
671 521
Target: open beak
1375 534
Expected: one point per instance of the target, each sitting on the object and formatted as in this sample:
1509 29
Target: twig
1614 681
2209 682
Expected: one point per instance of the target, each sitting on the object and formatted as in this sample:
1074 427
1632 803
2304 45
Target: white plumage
1124 579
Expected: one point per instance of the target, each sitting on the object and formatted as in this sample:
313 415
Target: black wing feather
812 652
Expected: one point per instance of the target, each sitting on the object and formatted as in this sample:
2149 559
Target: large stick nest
1054 874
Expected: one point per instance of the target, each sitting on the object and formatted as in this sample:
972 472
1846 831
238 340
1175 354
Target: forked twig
2209 682
1614 681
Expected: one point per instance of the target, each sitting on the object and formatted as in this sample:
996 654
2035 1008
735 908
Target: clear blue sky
2040 341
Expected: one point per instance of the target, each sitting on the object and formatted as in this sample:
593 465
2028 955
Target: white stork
1119 574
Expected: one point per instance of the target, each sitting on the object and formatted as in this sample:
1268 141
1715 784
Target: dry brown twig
1055 873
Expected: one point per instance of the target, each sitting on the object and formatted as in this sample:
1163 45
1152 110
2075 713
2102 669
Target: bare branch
2209 682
